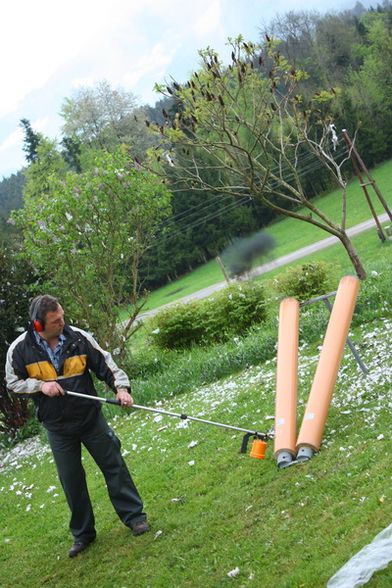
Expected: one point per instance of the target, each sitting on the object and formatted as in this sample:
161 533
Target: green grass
367 245
201 277
287 529
289 234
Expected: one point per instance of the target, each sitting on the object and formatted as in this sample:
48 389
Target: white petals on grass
225 400
244 399
158 534
183 424
15 458
234 573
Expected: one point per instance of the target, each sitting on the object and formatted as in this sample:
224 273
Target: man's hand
52 389
124 397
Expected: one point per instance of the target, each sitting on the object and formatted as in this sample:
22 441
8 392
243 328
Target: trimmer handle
245 440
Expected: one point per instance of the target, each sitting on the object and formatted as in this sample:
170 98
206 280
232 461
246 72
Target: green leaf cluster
16 276
86 233
305 281
227 314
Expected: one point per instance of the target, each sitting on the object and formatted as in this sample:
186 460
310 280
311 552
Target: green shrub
16 277
147 361
306 281
228 313
178 327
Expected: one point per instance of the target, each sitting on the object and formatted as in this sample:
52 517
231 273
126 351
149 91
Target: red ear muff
38 326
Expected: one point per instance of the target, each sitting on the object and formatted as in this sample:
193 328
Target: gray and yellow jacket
28 365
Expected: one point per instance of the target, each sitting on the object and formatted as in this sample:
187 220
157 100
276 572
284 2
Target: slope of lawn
213 510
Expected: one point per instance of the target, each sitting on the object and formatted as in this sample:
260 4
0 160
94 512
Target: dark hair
41 305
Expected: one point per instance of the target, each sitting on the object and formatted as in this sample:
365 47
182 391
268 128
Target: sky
50 49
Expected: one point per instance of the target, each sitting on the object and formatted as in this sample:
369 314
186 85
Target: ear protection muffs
38 326
38 323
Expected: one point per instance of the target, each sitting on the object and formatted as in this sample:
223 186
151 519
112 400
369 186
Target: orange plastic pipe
331 355
287 379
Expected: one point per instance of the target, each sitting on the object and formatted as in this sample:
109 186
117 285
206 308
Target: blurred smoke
239 256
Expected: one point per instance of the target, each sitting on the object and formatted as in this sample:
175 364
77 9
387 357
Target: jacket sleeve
103 365
16 376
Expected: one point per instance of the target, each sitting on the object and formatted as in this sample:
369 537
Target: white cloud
39 37
41 125
50 48
153 65
14 139
87 81
210 21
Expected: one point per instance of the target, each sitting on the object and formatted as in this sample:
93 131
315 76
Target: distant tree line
352 51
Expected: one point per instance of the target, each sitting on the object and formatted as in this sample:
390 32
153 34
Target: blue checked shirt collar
54 354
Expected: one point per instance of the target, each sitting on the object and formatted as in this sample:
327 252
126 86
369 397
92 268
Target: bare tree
254 127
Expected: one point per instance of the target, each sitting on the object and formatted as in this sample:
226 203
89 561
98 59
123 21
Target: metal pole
367 173
350 344
168 413
324 298
363 185
221 265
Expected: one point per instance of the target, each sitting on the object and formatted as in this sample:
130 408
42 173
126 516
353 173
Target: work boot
78 547
140 527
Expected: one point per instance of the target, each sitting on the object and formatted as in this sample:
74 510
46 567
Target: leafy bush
14 302
306 281
146 361
228 313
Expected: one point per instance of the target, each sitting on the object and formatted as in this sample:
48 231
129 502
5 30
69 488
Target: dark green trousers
103 445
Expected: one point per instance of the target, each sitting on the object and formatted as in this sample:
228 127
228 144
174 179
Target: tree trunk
353 255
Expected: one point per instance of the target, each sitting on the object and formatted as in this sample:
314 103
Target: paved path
267 267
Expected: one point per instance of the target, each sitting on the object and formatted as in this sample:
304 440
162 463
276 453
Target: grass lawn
367 245
290 235
212 509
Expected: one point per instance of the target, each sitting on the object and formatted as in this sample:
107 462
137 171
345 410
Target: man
43 362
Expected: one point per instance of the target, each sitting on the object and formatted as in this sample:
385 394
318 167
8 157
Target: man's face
54 324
